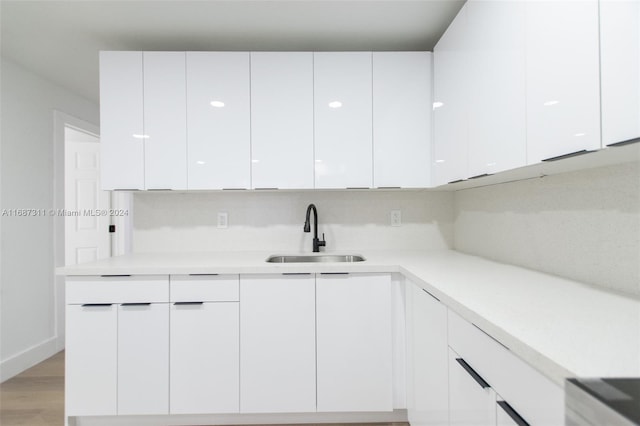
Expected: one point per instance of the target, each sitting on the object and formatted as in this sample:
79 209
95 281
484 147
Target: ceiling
60 39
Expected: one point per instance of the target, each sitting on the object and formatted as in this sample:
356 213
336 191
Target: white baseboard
28 358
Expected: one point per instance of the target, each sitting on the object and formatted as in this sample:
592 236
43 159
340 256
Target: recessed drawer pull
115 276
430 294
136 304
473 373
512 413
188 303
569 155
334 273
623 143
203 275
96 305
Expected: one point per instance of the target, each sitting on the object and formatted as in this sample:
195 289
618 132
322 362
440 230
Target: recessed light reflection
439 161
549 103
335 104
139 136
217 104
579 134
201 162
437 105
255 161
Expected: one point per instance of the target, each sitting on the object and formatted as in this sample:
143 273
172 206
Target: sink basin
316 258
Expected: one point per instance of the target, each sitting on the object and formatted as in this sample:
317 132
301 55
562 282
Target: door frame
121 241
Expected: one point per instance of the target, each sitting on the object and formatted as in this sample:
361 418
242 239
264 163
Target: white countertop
561 327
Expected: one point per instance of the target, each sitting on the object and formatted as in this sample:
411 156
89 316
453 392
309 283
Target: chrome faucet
307 228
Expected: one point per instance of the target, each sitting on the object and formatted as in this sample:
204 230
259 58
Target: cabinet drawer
117 289
535 397
205 288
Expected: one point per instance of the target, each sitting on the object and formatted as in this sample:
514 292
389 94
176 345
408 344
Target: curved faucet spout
307 228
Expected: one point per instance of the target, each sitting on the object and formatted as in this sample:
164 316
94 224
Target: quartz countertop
561 327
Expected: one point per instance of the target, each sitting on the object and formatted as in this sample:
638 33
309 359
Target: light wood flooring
36 397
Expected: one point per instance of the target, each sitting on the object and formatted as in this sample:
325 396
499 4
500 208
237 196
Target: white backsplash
583 225
350 220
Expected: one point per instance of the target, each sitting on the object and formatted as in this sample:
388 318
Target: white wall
583 225
27 305
351 220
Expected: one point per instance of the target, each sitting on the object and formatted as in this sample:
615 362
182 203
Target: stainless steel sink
316 258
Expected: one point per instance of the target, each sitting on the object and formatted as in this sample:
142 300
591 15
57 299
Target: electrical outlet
396 218
223 220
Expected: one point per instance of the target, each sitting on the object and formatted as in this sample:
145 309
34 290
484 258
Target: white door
204 367
86 226
471 400
282 120
218 120
429 380
402 99
277 337
91 360
343 119
143 358
354 349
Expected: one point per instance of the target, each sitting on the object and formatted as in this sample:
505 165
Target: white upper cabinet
165 129
402 98
121 122
451 102
563 81
282 120
343 120
620 70
497 116
218 120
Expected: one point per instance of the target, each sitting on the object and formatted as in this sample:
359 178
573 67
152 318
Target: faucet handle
322 243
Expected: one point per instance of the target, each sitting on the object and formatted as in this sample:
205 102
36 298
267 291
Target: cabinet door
282 120
91 368
277 337
497 116
620 70
343 120
204 357
429 379
143 358
121 121
165 127
402 109
563 79
218 118
450 106
471 402
354 351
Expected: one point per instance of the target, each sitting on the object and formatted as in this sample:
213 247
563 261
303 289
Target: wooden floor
36 396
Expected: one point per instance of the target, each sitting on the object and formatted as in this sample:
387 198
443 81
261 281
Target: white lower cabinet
354 350
278 344
143 358
471 399
91 360
532 398
117 345
205 345
428 379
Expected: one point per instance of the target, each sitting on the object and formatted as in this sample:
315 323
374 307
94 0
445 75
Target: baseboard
28 358
395 416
